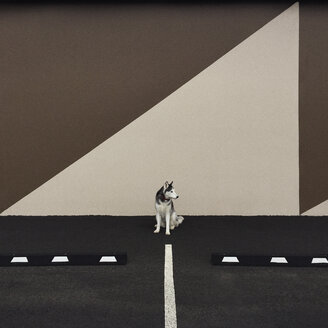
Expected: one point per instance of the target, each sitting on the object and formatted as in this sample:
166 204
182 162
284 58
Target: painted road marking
230 259
108 259
169 292
278 260
19 259
60 259
319 260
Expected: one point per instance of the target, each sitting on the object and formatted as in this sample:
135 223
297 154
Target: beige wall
319 210
74 75
228 138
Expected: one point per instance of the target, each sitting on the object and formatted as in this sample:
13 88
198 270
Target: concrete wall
108 102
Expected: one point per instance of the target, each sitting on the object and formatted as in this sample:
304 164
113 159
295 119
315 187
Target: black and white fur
166 217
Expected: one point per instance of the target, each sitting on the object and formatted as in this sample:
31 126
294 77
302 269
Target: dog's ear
166 184
171 183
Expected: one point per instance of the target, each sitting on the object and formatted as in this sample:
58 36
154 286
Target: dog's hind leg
173 223
158 224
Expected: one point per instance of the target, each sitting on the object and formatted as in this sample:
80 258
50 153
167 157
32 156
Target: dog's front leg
167 219
158 220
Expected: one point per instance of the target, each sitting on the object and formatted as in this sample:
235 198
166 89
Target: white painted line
19 259
169 292
278 260
230 259
108 259
317 260
60 259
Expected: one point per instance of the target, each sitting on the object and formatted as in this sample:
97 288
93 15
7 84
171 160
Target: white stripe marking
60 259
169 292
108 259
230 259
19 259
316 260
278 260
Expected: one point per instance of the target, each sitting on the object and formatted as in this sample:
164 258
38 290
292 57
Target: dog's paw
167 233
172 227
156 231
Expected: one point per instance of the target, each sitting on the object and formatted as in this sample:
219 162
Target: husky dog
165 213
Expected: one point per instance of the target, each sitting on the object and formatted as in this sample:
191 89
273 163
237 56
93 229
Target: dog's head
169 191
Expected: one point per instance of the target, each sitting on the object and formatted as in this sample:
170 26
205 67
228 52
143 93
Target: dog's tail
180 219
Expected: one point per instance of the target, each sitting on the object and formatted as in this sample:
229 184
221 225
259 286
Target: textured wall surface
313 107
102 104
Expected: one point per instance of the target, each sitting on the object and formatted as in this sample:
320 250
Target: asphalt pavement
132 295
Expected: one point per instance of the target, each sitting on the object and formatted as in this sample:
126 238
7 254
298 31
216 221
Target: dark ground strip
259 260
132 295
20 260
